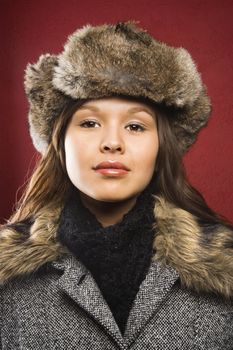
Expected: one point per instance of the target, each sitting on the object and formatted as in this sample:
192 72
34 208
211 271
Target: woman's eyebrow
140 109
130 110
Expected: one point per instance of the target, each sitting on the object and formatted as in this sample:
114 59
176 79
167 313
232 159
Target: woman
110 246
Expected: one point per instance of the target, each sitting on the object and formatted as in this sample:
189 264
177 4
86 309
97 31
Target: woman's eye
89 124
136 127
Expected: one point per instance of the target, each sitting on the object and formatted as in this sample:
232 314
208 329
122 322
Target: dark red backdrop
205 28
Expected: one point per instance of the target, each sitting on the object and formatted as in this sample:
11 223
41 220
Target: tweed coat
49 300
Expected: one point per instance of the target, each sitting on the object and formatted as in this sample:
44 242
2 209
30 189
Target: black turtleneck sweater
118 256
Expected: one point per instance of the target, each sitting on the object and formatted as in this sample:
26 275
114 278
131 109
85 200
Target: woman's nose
112 142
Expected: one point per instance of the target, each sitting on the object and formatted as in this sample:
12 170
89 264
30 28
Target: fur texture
202 257
119 59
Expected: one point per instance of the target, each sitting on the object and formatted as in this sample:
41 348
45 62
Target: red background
205 28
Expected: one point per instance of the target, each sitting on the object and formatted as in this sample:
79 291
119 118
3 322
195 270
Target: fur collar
203 256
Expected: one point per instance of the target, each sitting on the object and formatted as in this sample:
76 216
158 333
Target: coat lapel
78 283
157 284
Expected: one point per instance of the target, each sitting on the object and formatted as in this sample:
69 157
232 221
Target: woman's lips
112 171
111 168
112 164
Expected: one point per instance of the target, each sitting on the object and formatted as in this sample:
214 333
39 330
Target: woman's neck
108 213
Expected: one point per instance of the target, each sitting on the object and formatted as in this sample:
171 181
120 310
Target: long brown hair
49 182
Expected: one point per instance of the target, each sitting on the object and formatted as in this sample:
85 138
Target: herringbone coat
49 300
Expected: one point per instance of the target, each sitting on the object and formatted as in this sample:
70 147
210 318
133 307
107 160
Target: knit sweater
118 256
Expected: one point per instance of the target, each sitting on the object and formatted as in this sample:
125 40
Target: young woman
110 246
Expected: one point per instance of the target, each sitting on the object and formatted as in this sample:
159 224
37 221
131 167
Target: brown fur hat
120 59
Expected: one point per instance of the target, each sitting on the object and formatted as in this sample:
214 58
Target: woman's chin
110 196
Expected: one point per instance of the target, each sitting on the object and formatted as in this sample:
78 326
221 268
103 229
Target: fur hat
120 59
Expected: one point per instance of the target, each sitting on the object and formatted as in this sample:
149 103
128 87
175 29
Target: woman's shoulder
13 237
201 252
25 247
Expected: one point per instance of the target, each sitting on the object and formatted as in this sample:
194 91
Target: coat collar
202 256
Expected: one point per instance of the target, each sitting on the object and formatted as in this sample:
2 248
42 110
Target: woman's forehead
130 104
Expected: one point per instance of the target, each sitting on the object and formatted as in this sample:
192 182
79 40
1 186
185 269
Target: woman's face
111 130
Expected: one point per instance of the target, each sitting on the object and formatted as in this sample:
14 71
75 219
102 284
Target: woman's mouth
111 168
